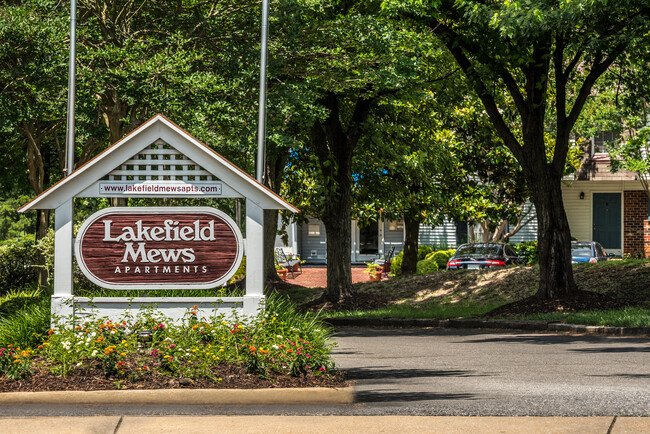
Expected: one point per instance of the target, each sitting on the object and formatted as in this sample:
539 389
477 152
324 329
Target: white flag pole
69 139
261 130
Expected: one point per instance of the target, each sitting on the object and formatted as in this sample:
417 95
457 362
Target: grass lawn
472 293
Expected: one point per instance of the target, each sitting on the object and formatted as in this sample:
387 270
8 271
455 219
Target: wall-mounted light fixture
582 195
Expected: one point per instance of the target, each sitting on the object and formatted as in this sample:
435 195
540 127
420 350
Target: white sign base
174 308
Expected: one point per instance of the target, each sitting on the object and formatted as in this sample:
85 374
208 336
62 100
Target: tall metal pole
72 72
261 127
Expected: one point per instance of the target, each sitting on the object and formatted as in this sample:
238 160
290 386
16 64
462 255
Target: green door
607 220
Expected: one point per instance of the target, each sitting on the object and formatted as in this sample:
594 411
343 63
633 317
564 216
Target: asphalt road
458 372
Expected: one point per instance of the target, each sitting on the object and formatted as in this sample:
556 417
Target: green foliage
527 249
426 266
396 264
14 363
441 257
240 273
278 339
13 224
423 251
633 155
24 321
17 265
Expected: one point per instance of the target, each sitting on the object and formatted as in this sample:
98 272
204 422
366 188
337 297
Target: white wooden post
63 245
254 258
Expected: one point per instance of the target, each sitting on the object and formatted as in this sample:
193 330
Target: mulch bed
579 301
93 378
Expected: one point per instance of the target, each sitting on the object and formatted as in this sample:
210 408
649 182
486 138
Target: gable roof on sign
158 129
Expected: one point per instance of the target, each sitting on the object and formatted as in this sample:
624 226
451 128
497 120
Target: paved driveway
456 372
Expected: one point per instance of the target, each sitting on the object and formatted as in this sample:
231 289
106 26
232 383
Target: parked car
587 251
483 255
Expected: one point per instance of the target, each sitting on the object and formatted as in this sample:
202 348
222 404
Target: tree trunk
472 232
270 232
118 201
42 225
334 146
554 240
411 234
339 249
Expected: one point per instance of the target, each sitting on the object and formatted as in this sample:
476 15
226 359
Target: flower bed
275 347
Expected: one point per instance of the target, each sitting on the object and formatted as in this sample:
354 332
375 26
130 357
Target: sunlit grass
437 311
626 317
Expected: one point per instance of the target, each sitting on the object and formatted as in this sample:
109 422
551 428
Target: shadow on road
545 339
376 373
632 376
379 396
613 350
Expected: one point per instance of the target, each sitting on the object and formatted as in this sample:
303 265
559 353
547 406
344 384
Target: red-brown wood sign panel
176 247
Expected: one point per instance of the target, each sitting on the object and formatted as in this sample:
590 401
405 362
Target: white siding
393 238
580 211
312 249
438 236
528 232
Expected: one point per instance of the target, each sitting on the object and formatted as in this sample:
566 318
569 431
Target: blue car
587 251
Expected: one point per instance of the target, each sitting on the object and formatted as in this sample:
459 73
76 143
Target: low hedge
426 266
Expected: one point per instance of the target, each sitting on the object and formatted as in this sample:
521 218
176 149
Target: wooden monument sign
158 247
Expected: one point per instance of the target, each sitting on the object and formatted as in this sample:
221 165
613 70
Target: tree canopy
533 64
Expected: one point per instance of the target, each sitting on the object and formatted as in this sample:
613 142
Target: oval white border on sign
159 210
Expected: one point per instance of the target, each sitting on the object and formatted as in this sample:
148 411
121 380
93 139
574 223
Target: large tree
344 61
546 56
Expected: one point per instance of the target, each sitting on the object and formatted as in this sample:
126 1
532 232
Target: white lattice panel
159 162
160 170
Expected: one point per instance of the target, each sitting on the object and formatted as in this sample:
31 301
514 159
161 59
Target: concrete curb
539 326
280 396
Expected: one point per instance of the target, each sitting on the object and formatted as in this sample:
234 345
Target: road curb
539 326
279 396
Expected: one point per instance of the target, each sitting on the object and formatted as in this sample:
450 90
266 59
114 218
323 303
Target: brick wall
636 228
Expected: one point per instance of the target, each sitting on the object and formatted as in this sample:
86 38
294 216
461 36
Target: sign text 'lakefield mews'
128 248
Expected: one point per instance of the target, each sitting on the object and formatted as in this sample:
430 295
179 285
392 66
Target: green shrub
18 269
441 258
423 251
426 266
527 249
396 265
